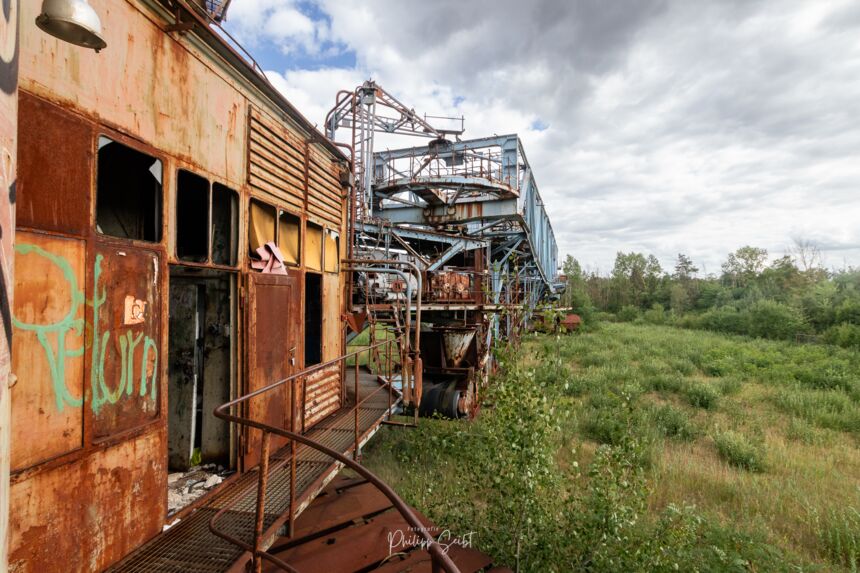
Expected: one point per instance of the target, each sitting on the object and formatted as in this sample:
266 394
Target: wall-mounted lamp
74 21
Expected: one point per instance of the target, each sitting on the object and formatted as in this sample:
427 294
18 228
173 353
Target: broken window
261 225
313 247
289 237
225 225
128 192
313 319
192 217
332 251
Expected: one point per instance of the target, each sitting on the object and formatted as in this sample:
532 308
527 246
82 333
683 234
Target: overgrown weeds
648 448
740 451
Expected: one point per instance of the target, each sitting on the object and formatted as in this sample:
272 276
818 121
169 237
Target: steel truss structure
467 214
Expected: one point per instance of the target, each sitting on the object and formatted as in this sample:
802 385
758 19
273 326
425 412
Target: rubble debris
183 488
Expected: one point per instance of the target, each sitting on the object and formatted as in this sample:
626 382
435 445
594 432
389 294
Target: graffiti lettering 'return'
52 338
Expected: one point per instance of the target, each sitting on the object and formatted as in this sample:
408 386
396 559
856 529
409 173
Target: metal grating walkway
189 546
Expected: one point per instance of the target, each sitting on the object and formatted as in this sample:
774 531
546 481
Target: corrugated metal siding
324 189
322 396
276 160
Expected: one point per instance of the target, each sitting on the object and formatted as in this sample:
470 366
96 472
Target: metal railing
229 411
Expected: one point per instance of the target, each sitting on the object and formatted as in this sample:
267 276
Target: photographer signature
400 539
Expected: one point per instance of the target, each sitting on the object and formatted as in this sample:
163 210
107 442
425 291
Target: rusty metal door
126 337
273 327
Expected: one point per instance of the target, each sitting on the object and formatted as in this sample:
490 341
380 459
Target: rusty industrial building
185 260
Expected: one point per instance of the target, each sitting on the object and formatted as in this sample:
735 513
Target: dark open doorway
313 319
201 375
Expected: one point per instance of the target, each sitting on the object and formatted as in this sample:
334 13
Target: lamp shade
73 21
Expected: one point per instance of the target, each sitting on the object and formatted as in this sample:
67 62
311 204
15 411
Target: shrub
845 335
849 311
666 383
627 313
655 315
838 532
771 319
830 409
739 451
724 319
729 386
827 376
801 431
701 395
672 422
609 417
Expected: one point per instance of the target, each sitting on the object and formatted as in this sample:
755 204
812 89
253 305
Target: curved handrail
222 411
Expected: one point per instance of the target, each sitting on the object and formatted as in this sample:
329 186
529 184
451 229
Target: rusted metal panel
83 517
8 179
200 116
452 286
56 166
313 247
276 159
571 322
48 347
126 331
117 466
332 323
324 188
322 395
272 324
456 342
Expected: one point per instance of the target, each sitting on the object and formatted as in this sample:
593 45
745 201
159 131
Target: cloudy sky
655 126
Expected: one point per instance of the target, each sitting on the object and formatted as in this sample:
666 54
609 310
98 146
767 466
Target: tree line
789 297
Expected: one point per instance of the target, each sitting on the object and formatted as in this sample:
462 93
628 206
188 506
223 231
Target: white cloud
673 126
278 21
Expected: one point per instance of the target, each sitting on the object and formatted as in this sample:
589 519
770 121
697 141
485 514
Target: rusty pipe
419 280
402 275
418 277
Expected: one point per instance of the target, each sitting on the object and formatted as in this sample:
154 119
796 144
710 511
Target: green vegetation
787 298
636 447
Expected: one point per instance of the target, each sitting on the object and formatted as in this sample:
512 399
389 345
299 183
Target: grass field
649 448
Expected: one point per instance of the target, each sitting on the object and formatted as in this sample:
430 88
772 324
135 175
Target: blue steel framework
467 213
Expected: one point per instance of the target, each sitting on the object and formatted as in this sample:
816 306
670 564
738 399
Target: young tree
628 279
744 265
806 253
685 270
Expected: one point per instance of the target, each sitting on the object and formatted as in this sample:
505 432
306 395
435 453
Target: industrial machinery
466 216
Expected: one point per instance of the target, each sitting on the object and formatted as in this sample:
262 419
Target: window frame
279 212
140 147
210 238
208 259
336 234
300 251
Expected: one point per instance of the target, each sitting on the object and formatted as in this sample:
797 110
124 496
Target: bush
830 409
838 532
849 311
655 315
724 319
701 395
739 451
801 431
666 383
611 418
672 422
729 386
770 319
845 335
627 313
